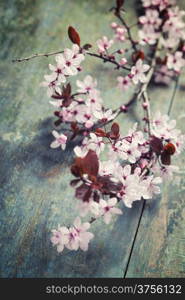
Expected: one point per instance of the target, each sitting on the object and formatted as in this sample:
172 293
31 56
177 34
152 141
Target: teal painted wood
35 192
35 195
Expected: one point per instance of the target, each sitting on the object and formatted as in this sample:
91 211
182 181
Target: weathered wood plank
35 195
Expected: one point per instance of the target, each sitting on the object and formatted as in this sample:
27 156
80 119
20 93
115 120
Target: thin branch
104 58
107 59
134 240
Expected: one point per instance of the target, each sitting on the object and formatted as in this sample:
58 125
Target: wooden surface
34 181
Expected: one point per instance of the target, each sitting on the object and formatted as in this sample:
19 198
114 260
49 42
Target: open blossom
73 238
137 72
104 44
148 36
60 140
90 207
150 187
107 209
176 61
87 85
60 237
162 4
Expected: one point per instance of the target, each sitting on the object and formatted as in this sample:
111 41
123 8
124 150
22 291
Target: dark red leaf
73 35
100 132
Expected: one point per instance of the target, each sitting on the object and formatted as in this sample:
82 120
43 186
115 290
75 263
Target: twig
128 31
135 236
104 58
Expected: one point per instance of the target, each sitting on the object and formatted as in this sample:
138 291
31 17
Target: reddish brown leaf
91 163
83 192
73 35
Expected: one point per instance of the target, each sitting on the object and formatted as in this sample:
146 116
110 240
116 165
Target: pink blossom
124 82
108 209
138 71
123 61
104 44
60 140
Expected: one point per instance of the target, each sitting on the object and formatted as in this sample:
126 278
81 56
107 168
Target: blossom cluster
111 168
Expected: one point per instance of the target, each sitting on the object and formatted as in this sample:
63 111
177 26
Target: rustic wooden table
35 192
